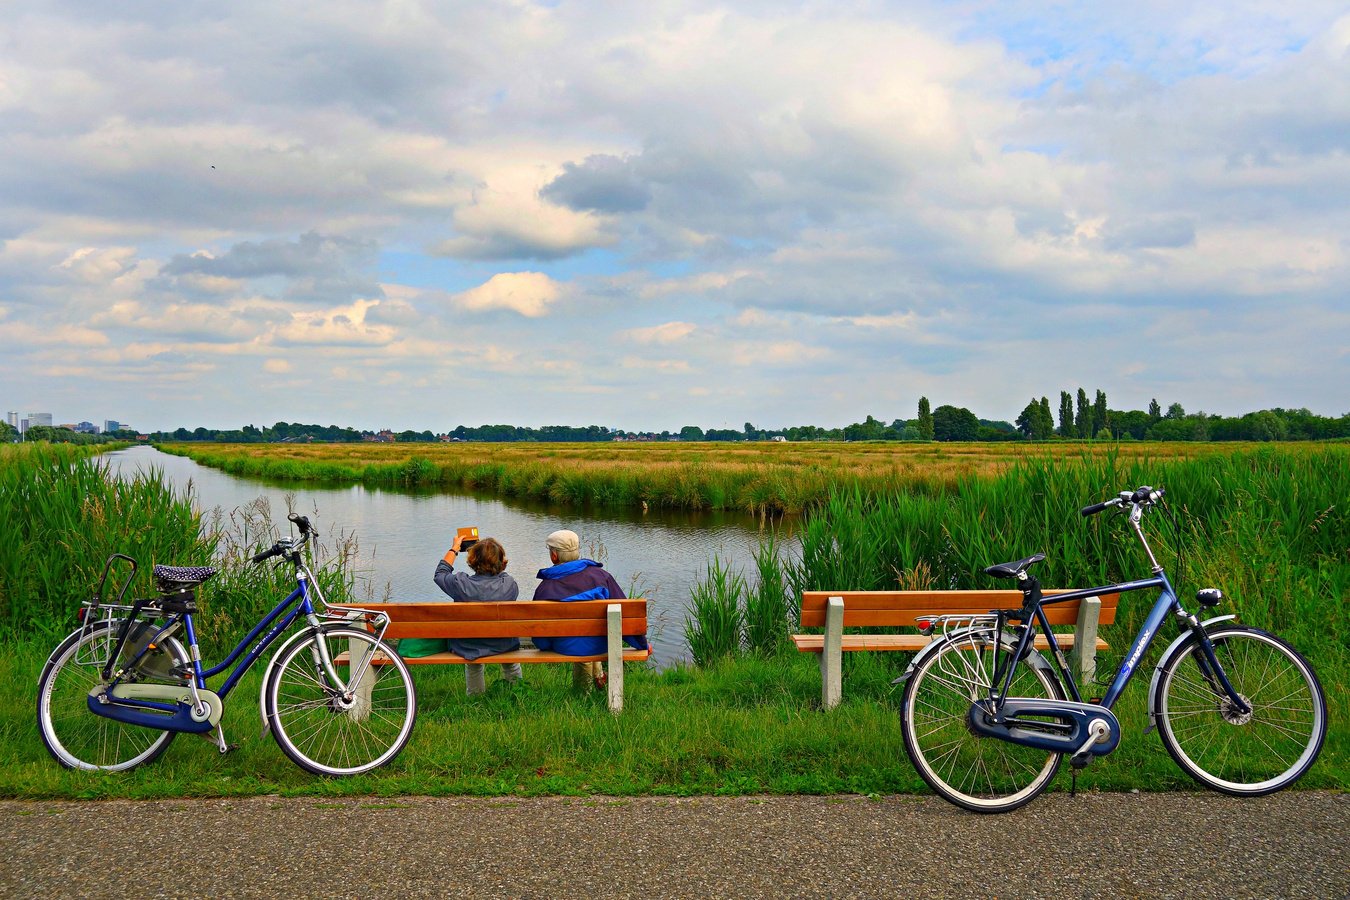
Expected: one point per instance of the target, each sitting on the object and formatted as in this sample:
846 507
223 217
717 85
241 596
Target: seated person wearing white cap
573 578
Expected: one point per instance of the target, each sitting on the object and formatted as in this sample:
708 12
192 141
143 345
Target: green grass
743 727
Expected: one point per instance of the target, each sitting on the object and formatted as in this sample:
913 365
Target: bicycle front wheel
77 738
1245 754
347 728
978 773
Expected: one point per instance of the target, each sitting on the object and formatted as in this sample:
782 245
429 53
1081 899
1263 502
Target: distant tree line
1078 419
55 434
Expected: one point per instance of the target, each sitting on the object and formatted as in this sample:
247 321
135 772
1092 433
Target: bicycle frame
1166 605
248 650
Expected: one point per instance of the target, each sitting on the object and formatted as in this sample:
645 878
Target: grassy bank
752 726
755 477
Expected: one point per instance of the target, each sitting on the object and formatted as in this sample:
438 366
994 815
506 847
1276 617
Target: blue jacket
580 579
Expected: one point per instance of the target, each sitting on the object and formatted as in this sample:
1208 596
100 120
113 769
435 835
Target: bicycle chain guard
111 704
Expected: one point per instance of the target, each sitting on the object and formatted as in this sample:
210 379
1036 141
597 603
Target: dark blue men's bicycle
987 719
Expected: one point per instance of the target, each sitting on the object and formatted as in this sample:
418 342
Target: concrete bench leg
1085 641
832 655
614 624
357 653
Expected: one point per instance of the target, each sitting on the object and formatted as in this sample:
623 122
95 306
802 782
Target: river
660 554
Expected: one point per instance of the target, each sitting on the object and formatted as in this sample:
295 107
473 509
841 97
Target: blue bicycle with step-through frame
115 693
987 719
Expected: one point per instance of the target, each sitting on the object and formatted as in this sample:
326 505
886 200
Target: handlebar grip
265 555
301 522
1093 509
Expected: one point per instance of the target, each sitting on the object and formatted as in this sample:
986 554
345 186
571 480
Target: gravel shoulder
1292 844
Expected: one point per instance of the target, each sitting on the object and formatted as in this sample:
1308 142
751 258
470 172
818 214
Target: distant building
85 428
111 425
36 419
12 418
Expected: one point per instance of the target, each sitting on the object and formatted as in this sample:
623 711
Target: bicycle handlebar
1097 507
286 545
1144 496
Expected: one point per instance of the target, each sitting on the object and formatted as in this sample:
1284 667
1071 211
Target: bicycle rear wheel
978 773
325 731
1245 754
77 738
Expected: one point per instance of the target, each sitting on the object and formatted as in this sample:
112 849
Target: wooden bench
611 619
836 610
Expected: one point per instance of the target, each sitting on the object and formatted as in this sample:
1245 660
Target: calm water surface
402 535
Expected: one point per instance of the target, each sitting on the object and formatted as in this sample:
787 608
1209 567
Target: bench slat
815 643
429 628
513 656
504 611
902 608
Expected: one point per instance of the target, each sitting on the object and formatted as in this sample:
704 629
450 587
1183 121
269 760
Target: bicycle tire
319 730
977 773
74 736
1246 755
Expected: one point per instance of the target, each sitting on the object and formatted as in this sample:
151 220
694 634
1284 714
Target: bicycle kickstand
218 738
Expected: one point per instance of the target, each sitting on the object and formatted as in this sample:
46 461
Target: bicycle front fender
1033 658
267 676
1172 650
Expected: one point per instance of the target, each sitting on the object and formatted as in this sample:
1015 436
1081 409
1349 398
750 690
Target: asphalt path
1292 844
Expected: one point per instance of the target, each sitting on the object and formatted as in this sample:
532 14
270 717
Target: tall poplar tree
1098 413
1084 418
1066 414
925 419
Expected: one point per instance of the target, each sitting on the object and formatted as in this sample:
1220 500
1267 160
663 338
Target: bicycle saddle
1013 569
182 576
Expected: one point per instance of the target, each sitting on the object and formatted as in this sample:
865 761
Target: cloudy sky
645 215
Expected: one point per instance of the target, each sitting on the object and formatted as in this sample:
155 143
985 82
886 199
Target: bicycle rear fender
1172 650
1033 658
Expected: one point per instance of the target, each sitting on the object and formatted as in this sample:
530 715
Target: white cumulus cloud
528 293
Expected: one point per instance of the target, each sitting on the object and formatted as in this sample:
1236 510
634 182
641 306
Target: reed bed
65 515
760 478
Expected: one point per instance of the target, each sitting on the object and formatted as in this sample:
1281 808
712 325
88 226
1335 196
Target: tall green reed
64 516
716 620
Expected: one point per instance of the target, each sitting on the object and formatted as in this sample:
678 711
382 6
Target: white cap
564 541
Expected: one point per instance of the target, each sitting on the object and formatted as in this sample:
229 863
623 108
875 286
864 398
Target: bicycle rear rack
94 610
946 624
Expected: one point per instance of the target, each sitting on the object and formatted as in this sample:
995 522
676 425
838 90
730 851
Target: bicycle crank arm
1074 728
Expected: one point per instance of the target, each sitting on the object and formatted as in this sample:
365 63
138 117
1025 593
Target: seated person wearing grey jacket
489 581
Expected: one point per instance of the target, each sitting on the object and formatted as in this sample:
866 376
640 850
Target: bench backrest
520 618
899 609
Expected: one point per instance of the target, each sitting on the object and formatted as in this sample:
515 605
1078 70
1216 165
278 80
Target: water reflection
402 533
